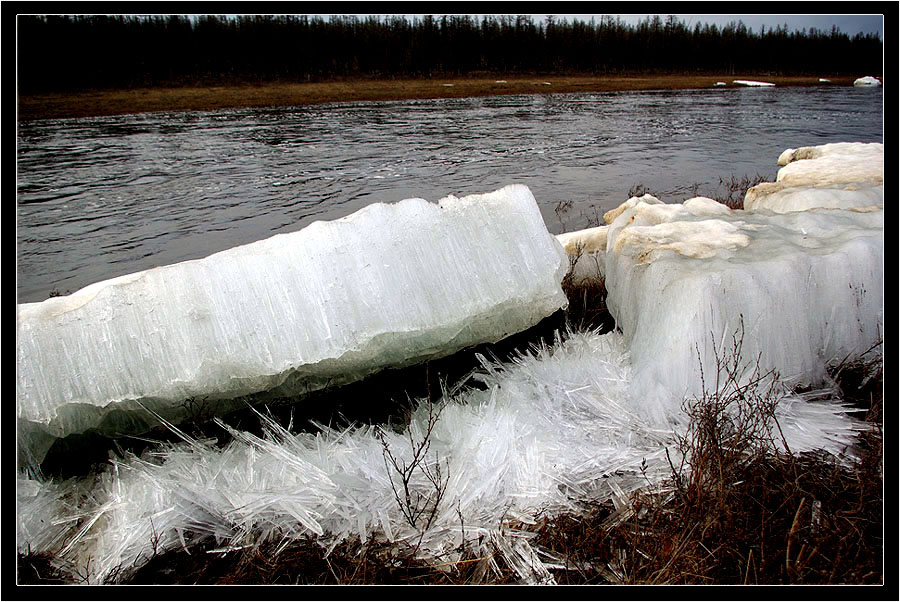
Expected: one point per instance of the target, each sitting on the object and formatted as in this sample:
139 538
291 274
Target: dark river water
102 197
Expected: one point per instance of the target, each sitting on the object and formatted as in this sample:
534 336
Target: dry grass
305 562
761 517
587 308
96 103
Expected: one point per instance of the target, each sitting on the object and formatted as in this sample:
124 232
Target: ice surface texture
390 285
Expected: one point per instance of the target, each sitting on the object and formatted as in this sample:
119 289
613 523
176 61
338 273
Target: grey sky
850 24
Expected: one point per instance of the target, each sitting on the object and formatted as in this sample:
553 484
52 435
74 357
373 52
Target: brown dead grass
97 103
772 518
306 562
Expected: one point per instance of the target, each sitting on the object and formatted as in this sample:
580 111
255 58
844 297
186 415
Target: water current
103 197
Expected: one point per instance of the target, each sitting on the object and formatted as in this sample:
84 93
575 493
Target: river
102 197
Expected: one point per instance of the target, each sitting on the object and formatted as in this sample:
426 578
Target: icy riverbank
590 417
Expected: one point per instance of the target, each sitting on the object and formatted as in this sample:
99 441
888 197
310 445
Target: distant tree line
77 52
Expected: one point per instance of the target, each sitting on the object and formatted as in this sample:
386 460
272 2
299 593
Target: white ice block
831 164
780 198
391 285
807 285
840 175
868 80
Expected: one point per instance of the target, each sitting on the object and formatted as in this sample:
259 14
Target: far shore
98 103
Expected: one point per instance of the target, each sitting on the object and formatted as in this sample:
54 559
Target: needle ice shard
391 285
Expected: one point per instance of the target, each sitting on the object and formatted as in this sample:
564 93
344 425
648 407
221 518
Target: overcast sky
849 24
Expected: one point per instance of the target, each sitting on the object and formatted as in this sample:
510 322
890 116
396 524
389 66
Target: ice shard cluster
542 434
391 285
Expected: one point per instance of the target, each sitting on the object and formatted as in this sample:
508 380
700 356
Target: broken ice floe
390 285
680 277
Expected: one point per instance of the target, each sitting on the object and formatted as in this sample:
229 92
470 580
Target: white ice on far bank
390 285
867 80
753 84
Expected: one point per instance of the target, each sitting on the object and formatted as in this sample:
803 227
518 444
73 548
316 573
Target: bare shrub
419 507
735 189
730 424
587 298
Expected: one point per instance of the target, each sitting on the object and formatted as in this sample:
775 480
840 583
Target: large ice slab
390 285
807 287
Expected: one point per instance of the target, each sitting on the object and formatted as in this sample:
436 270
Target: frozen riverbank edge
540 436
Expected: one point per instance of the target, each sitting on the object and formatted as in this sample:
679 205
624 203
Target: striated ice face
800 268
806 288
390 285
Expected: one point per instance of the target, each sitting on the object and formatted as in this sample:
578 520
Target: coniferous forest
66 53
